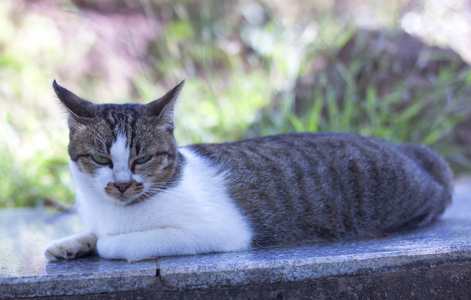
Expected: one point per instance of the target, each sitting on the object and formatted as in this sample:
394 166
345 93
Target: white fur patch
195 216
119 152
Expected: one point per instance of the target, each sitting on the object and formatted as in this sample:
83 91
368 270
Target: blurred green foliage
241 61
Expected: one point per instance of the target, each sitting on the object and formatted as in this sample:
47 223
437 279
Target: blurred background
393 69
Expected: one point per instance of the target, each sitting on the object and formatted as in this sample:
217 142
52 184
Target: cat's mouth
126 193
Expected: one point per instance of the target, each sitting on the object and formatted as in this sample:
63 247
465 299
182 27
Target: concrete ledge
432 263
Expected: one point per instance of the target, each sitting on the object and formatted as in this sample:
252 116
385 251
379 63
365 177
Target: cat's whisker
165 185
154 191
179 164
64 202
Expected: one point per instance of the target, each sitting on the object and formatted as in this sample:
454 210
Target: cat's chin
127 201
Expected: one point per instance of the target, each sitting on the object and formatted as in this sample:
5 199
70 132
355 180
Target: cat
140 196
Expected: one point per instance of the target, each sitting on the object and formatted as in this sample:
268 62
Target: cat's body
325 186
141 196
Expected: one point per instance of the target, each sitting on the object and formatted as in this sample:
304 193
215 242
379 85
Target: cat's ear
163 107
77 107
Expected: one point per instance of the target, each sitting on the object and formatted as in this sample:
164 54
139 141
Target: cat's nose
122 186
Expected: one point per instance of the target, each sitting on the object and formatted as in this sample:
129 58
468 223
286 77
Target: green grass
424 119
240 83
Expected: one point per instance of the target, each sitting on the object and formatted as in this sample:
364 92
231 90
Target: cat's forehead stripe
120 118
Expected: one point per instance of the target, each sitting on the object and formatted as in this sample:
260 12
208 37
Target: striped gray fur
323 186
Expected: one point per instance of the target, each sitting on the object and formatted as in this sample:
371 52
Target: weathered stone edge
176 278
66 285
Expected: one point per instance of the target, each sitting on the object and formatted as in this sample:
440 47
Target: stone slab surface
443 248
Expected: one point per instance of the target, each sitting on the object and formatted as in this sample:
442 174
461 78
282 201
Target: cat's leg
146 244
71 247
168 241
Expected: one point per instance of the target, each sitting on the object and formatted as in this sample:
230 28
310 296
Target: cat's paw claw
69 248
61 250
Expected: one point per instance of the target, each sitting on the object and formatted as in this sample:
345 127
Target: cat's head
123 153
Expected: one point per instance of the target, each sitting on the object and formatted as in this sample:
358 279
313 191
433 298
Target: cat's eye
143 159
101 159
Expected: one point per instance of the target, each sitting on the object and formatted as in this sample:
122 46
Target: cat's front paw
70 247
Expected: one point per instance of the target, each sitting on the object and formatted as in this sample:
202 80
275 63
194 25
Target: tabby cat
140 196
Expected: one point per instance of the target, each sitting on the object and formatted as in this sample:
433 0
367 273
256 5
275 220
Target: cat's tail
434 165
